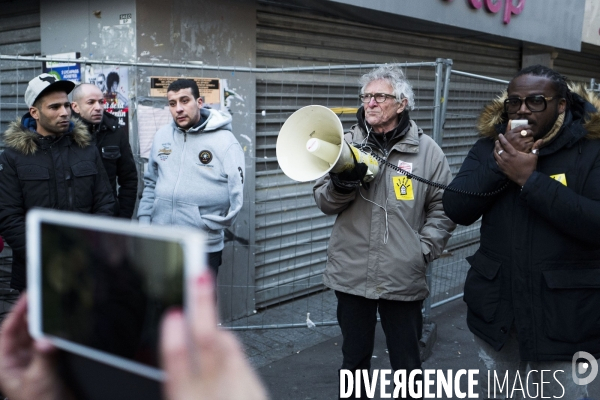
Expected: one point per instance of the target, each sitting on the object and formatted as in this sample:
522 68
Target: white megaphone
311 143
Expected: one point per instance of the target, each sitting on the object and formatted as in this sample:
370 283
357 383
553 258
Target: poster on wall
66 71
114 84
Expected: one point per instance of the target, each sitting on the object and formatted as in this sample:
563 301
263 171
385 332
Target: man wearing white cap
47 162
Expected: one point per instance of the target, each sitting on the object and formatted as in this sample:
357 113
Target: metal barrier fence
271 277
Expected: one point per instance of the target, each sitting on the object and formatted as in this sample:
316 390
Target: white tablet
99 286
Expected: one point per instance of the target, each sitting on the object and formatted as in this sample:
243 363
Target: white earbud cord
386 234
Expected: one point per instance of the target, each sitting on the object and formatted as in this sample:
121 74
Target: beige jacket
381 250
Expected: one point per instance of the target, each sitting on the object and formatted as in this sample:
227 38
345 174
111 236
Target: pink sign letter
494 7
512 9
476 3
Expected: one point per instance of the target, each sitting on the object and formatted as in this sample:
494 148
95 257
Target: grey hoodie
195 177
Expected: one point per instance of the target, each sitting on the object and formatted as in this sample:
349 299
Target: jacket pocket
162 211
33 173
111 152
570 300
35 181
84 183
214 235
482 286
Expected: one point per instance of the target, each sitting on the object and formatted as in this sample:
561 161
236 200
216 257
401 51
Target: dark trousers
214 261
402 323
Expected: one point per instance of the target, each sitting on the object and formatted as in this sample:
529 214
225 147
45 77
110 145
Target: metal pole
200 65
437 97
448 73
484 78
427 302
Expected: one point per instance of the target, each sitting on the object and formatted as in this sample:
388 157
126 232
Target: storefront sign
553 23
494 6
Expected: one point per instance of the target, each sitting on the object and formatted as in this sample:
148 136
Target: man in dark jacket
112 142
534 285
48 162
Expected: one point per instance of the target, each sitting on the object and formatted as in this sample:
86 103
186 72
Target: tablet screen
107 290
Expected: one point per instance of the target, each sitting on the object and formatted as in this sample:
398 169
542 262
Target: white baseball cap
42 83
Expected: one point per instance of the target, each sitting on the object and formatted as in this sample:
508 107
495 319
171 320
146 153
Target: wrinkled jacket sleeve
438 226
127 178
575 214
330 201
147 201
234 169
104 200
12 208
479 173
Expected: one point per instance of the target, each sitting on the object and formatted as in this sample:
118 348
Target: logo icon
205 156
165 151
590 365
49 79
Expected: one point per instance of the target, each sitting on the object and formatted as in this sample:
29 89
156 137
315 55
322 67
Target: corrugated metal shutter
291 233
19 35
579 66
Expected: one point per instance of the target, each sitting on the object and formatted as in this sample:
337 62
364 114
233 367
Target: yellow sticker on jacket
560 177
403 187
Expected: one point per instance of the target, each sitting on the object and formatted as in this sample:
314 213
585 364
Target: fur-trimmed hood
22 137
586 106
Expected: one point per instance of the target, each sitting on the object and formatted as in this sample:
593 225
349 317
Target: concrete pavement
311 374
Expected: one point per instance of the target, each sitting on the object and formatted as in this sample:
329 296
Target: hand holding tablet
99 286
200 361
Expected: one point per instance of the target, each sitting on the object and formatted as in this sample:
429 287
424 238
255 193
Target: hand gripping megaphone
311 143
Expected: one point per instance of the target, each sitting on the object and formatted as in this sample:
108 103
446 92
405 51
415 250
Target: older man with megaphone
387 231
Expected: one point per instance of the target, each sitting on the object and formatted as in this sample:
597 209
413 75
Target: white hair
395 77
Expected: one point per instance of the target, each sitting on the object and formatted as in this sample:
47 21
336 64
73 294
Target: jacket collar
408 143
108 122
211 120
22 136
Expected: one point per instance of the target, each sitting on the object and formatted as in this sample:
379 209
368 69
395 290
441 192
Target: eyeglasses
535 103
379 97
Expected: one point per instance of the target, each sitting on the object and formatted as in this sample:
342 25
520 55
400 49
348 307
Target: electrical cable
437 184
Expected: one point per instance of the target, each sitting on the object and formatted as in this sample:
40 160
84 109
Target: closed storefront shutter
579 66
19 35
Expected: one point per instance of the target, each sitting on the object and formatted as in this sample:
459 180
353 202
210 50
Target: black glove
347 181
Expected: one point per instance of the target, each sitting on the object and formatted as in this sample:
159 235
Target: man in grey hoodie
195 172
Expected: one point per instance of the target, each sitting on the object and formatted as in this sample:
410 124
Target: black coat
538 264
63 173
112 142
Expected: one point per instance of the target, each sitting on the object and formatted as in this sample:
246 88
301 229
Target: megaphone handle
364 184
351 152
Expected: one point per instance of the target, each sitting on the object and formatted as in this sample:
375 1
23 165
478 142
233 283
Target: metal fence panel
287 248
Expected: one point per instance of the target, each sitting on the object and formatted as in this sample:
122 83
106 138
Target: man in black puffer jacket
533 289
48 162
112 142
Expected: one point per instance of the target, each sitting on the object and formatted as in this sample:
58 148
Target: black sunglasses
535 103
